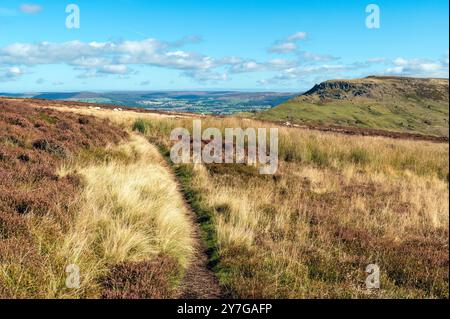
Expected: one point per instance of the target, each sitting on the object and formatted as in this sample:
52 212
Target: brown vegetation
33 142
337 203
142 280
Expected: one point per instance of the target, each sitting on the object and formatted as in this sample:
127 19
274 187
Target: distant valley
218 103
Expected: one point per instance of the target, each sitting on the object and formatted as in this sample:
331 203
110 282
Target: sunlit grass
337 204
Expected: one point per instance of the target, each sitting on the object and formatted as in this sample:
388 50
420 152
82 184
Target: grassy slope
334 206
71 195
403 113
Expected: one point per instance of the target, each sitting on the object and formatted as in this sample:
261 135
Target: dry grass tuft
129 212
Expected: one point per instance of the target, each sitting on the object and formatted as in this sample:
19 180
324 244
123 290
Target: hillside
78 193
94 187
411 105
337 203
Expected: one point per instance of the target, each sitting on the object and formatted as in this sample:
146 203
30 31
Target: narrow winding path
199 281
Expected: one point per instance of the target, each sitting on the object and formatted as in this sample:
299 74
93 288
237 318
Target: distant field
219 103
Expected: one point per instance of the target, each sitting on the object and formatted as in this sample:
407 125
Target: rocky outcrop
380 87
340 90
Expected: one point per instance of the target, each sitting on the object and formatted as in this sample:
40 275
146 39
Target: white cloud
15 71
90 62
318 57
91 54
278 64
114 69
50 53
302 72
285 47
289 44
295 72
238 65
10 74
419 67
179 54
400 62
96 58
30 8
297 36
204 76
394 70
246 66
121 58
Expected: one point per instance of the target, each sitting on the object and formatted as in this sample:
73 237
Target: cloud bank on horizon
236 50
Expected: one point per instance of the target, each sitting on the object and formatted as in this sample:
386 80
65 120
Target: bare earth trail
199 281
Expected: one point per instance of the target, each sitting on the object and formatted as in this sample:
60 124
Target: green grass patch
399 115
47 118
359 156
141 126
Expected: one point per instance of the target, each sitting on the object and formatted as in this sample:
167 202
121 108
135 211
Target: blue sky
196 45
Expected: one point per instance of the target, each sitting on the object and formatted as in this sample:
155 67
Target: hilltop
380 88
412 105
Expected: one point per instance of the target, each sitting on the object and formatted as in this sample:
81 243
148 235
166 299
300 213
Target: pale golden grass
128 211
124 118
279 227
379 190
